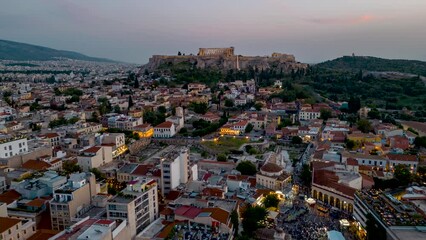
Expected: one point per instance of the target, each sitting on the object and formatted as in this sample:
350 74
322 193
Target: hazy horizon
132 30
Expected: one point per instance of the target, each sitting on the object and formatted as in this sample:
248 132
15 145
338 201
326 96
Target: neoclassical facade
224 52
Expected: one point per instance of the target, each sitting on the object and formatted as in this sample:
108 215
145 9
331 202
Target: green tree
117 109
296 140
221 157
420 142
306 175
374 114
364 125
271 200
252 216
247 168
258 106
70 167
98 174
130 102
235 221
325 114
200 108
249 128
350 144
354 104
229 103
402 174
162 109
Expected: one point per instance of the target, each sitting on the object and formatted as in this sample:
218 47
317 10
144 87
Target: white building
174 169
138 204
10 147
12 228
94 157
164 130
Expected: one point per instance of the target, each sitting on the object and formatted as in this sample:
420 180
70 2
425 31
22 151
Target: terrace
390 210
190 230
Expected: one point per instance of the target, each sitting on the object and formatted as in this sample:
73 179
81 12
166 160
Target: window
10 147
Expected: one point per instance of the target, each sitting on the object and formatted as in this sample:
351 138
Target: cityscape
210 143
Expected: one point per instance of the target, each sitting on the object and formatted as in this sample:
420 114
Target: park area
225 144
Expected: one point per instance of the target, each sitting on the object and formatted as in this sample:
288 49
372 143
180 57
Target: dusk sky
133 30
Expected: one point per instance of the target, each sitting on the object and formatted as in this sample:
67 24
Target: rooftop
392 211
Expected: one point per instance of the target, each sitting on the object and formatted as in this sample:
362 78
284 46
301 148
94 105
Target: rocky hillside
282 61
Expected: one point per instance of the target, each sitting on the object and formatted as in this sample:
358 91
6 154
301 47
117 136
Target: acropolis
224 59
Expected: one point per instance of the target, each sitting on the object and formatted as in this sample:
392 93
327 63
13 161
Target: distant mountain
10 50
356 63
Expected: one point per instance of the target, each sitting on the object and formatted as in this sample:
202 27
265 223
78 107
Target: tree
117 109
162 109
247 168
420 142
350 144
306 174
325 113
70 167
249 128
252 216
296 140
258 106
271 200
364 125
200 108
235 221
229 103
98 174
130 102
354 104
221 157
136 84
402 174
374 114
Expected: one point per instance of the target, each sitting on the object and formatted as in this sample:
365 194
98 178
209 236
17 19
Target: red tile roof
50 135
9 196
38 202
93 149
271 167
402 157
6 223
188 212
218 214
142 169
352 162
165 124
36 165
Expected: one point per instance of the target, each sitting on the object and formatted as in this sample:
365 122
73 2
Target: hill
17 51
356 63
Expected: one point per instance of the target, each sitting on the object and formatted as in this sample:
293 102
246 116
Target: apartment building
174 169
94 157
137 204
11 146
12 228
72 200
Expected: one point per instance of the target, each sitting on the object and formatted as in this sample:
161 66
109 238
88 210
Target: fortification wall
276 60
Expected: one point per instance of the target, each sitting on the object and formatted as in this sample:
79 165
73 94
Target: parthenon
224 52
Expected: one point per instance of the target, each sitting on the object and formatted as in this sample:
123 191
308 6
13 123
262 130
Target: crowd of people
311 225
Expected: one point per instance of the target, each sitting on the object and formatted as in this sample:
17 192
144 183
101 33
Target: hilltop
367 63
17 51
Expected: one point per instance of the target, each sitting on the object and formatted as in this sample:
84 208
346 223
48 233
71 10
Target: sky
133 30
